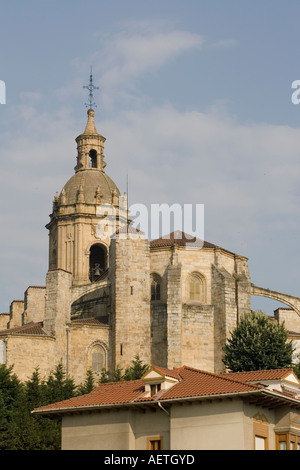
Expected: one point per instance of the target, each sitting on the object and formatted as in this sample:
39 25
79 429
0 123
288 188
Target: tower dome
95 186
80 226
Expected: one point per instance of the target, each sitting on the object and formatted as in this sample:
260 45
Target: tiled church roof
28 329
182 239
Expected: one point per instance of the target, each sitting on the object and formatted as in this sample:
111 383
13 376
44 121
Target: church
111 294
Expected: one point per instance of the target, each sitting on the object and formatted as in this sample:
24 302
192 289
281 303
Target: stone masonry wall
198 336
30 352
16 313
57 311
34 304
129 276
174 320
159 334
81 339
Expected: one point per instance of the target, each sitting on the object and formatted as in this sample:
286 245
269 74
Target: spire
90 126
90 144
91 88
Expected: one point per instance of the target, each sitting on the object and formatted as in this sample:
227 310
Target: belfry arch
97 261
290 300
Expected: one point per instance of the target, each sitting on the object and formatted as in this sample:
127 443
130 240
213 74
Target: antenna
91 88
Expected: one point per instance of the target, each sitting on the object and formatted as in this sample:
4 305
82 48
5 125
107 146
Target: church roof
183 239
28 329
192 384
89 181
91 321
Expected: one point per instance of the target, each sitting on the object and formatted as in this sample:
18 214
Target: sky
195 103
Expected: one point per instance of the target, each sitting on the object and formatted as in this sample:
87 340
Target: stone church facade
111 294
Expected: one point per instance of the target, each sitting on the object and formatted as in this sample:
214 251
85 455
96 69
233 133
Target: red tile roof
254 376
91 321
174 373
193 383
28 329
199 383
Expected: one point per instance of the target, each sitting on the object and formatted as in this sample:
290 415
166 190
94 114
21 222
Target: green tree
107 376
136 370
88 385
133 372
59 387
258 343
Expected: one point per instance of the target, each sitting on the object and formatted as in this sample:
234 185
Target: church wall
225 311
200 261
29 353
81 341
34 304
290 318
58 307
4 319
159 261
198 336
174 316
129 276
159 333
16 313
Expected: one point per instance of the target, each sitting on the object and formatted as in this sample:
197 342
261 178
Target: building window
287 441
154 443
155 287
2 352
93 158
154 388
196 288
260 443
97 358
261 433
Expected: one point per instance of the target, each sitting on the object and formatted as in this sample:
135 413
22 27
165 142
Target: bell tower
87 211
90 147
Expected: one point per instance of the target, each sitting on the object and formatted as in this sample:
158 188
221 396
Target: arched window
196 288
97 262
97 358
93 158
155 287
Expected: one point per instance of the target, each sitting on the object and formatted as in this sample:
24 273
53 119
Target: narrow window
155 388
98 359
155 287
196 288
93 158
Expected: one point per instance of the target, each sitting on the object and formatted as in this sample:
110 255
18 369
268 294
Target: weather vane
91 88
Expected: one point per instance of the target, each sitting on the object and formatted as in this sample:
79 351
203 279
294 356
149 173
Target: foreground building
111 294
182 409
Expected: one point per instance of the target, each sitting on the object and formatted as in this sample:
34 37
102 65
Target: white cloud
138 49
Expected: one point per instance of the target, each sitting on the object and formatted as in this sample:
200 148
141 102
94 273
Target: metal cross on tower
91 88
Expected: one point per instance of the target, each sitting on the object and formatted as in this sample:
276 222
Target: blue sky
195 103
